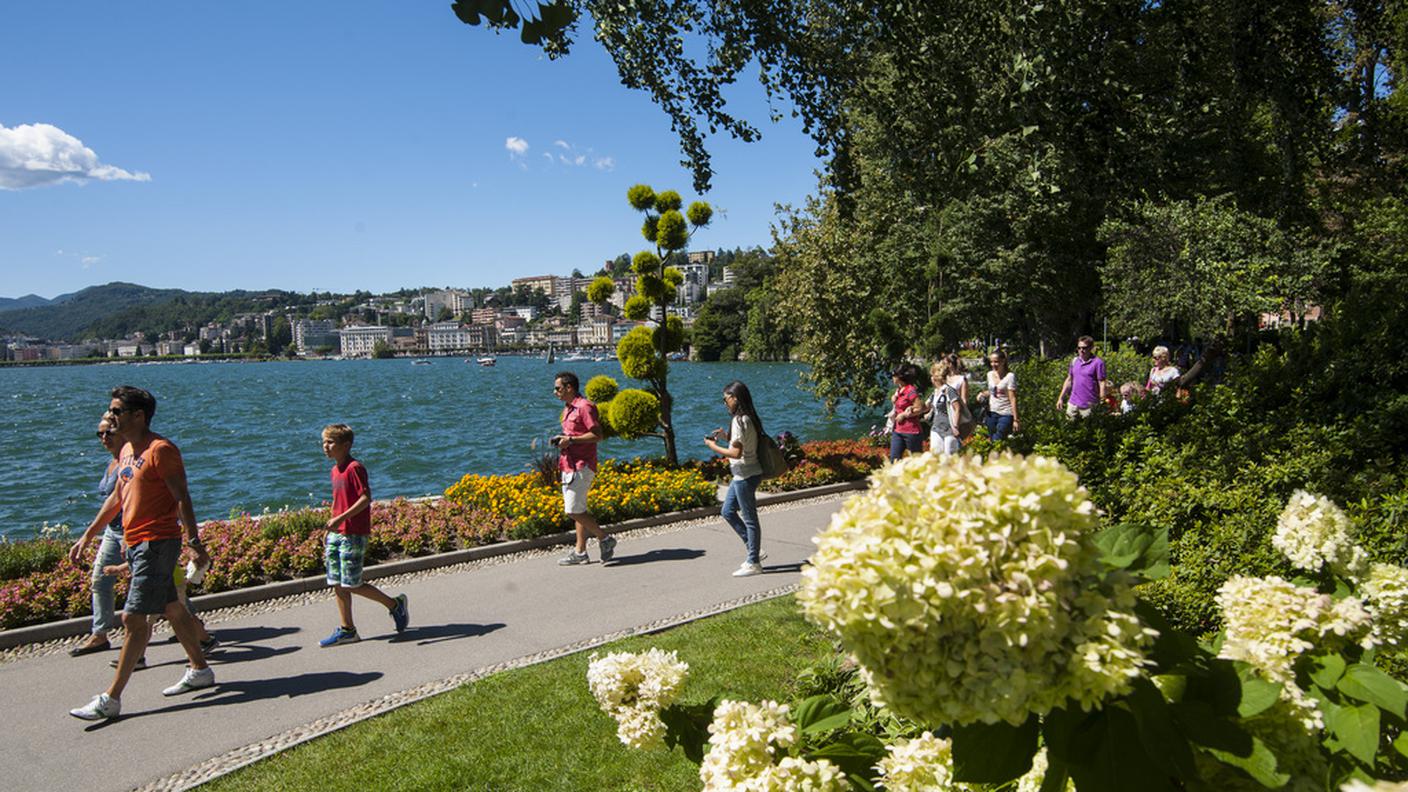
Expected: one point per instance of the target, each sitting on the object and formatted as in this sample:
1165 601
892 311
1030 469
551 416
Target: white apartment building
360 340
454 300
450 337
695 284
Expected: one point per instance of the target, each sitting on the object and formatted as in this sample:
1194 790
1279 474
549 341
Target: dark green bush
18 559
299 522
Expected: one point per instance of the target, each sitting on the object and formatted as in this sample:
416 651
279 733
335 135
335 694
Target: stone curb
39 633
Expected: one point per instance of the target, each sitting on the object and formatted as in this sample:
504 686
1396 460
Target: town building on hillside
452 337
361 340
695 285
591 310
314 334
543 283
453 300
704 257
562 337
483 316
528 312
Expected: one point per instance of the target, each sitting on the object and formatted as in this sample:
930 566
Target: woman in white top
740 509
1001 397
1162 374
942 408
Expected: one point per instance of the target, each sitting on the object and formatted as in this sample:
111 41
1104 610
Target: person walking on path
155 504
1162 374
1001 396
576 446
740 509
109 553
1085 381
907 433
349 528
942 410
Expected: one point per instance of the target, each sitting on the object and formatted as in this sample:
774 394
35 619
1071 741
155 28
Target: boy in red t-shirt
348 529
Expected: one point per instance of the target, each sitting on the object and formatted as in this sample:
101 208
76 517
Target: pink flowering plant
246 551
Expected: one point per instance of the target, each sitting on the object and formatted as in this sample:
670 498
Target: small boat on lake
420 362
487 361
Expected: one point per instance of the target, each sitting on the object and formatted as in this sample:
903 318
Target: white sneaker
102 706
193 679
748 570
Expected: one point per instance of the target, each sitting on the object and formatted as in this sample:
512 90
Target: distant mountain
27 301
68 316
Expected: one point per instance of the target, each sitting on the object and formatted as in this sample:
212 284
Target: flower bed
621 491
248 552
828 462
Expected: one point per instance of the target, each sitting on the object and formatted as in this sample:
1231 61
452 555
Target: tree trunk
667 426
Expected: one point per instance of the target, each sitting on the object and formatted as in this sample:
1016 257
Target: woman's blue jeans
109 554
905 441
740 511
999 426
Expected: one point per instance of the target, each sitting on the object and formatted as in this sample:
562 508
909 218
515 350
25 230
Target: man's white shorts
575 484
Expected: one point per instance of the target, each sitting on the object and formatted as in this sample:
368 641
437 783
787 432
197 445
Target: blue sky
336 146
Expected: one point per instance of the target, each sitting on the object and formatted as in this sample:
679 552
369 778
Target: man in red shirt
581 431
155 504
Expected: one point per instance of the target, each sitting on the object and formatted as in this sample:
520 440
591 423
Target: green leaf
1136 549
1354 729
1326 670
1259 763
993 753
1206 727
1369 684
821 713
1171 646
687 726
1400 744
1257 696
1120 761
855 753
1163 741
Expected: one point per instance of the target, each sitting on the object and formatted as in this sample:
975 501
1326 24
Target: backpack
770 456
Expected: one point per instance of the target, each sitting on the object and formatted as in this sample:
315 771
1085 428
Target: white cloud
605 163
88 261
562 144
33 155
516 146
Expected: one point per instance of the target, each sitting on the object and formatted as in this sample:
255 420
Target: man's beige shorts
575 485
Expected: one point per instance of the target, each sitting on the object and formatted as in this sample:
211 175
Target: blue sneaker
401 614
341 635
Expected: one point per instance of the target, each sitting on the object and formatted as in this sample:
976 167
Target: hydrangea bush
981 600
972 591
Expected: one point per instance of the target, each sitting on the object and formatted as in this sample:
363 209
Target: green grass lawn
539 728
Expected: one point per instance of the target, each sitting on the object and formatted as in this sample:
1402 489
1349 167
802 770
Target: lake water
250 432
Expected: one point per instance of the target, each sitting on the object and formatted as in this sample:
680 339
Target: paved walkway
272 677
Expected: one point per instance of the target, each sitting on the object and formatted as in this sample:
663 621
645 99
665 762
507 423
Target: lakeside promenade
275 687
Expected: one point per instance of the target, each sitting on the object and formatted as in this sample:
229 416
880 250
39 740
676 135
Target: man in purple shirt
1085 381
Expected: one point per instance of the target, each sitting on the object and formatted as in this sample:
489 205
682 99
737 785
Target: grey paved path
272 677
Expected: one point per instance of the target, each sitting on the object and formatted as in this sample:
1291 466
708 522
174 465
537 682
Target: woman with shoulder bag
740 509
942 410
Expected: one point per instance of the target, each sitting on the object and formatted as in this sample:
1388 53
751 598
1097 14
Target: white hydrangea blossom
1269 622
1356 785
797 775
633 688
970 590
922 764
744 739
1033 779
1313 532
1385 591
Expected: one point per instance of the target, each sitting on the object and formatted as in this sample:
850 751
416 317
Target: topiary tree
644 351
634 413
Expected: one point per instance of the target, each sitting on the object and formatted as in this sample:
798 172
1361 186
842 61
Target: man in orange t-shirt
155 503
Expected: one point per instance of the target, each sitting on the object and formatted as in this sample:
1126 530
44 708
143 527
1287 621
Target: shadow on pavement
663 554
439 633
768 570
237 635
258 690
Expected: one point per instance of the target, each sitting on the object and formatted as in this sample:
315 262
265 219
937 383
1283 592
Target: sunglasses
1082 348
103 435
117 410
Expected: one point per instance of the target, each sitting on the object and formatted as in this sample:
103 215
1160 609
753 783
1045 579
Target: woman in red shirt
908 433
